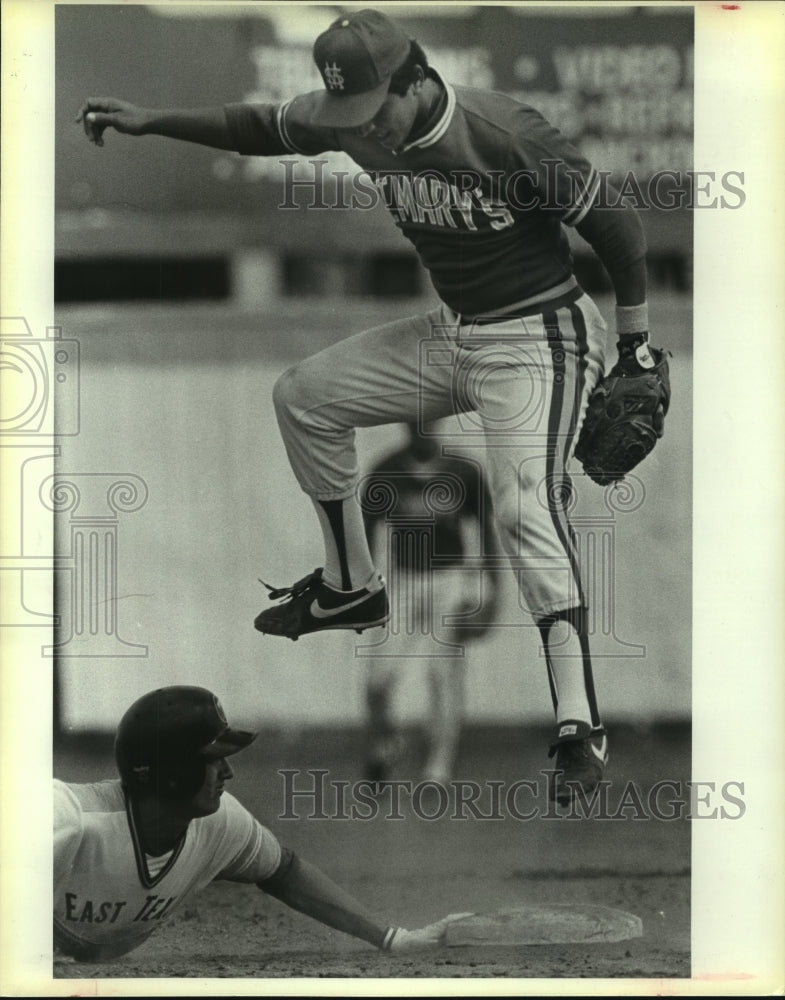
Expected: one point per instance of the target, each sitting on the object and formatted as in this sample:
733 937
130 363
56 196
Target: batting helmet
166 736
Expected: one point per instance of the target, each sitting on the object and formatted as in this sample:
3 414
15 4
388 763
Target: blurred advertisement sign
618 83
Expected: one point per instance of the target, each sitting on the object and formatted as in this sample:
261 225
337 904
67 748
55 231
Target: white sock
565 661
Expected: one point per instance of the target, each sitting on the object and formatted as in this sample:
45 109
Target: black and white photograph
386 586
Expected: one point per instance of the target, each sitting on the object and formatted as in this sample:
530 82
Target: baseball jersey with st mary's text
108 899
482 192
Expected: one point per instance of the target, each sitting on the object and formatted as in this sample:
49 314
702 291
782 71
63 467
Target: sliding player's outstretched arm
306 888
206 126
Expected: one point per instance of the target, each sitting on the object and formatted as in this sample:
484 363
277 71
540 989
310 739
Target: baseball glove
625 418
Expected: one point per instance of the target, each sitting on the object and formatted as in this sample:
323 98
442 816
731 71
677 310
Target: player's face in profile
393 122
208 798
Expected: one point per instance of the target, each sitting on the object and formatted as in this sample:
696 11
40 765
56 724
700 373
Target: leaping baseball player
129 852
483 187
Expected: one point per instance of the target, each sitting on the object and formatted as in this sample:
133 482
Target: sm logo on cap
333 76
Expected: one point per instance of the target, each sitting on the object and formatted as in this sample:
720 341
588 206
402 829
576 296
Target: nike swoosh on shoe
602 753
319 612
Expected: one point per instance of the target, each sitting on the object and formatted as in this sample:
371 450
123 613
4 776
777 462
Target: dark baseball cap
356 56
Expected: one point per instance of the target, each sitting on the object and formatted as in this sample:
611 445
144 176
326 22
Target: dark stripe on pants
556 488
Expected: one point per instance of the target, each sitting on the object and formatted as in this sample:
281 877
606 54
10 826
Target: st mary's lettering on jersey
482 193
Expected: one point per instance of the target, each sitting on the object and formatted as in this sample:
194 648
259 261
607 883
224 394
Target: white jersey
108 899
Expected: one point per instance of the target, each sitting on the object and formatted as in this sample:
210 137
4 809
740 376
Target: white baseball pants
521 387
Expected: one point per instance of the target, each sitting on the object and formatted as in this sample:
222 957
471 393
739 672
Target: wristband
632 319
387 940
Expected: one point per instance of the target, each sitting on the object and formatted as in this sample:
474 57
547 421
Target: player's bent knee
287 391
293 393
298 395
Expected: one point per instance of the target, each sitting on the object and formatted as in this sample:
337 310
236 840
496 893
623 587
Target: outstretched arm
308 890
206 126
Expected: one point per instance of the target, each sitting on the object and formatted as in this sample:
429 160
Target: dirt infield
414 870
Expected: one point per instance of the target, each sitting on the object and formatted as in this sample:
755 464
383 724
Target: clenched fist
99 113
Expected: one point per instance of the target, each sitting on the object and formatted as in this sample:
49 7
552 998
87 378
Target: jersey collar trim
443 123
148 880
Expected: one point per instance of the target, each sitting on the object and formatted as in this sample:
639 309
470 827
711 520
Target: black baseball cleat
581 755
311 606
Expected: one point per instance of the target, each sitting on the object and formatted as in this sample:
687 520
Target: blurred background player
129 852
483 186
429 524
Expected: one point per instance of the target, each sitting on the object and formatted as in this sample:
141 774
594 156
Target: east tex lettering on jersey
482 194
104 905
